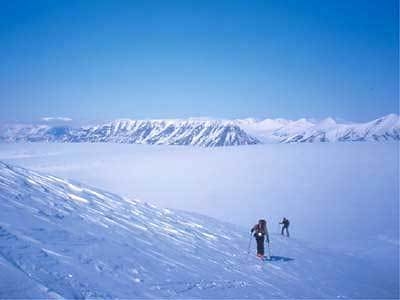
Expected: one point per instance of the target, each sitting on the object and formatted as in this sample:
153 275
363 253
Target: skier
285 222
260 232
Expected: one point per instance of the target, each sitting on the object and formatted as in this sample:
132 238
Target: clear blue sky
98 60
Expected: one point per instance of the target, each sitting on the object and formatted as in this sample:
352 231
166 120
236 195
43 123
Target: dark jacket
260 231
285 222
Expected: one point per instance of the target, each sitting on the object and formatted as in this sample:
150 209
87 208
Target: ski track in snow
62 239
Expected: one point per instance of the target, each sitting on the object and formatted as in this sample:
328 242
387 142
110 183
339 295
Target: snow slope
338 186
59 238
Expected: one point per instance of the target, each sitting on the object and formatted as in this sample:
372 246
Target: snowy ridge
210 133
205 133
386 128
382 129
59 238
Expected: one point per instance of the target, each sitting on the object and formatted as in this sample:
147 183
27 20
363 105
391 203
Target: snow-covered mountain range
327 130
210 133
62 239
206 133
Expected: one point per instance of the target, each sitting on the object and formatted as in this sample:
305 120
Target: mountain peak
327 122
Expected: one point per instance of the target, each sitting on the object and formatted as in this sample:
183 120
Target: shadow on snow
279 258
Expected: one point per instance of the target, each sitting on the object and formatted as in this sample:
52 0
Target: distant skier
260 233
285 222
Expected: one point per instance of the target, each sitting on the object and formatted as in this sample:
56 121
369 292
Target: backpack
261 227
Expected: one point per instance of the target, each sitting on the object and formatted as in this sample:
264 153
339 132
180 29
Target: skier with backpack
260 232
285 222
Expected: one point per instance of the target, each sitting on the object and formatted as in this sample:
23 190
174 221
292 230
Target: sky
101 60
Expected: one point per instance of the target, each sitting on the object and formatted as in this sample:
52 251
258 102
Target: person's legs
287 231
283 228
260 246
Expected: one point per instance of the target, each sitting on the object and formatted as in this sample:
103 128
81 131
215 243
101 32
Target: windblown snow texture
210 133
59 238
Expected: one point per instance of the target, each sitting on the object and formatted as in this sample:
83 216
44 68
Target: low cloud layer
53 119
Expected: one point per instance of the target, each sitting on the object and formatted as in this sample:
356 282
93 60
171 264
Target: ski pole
248 248
269 252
